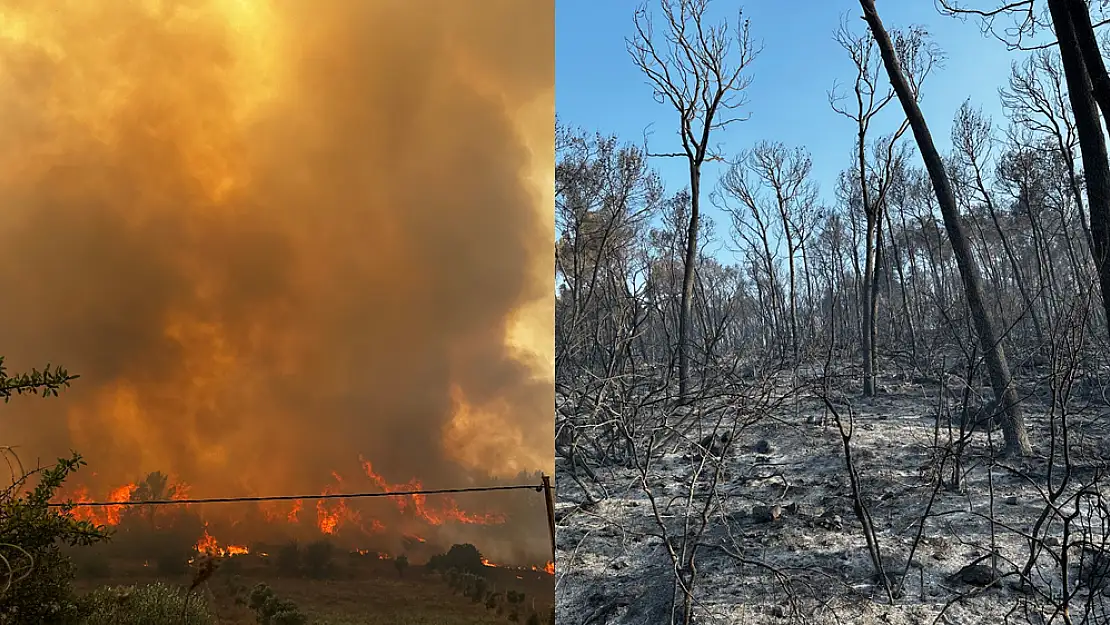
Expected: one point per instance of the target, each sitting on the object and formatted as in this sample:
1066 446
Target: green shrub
259 595
152 604
269 609
35 578
31 538
44 596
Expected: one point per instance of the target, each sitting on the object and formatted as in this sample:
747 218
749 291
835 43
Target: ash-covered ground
784 544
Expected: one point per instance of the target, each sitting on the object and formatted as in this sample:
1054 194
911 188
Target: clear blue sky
599 88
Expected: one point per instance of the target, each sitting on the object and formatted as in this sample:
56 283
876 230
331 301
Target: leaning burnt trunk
1088 89
1013 423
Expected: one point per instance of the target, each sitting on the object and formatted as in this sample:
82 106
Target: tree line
988 250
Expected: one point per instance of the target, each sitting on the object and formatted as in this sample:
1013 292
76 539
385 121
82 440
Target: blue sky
597 87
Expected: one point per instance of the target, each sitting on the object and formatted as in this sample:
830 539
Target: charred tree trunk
1088 90
1013 423
869 305
688 285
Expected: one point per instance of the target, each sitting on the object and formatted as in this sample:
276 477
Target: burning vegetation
395 525
291 248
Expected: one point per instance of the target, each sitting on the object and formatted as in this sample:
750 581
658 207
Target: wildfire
376 554
103 515
209 546
332 515
548 568
180 491
448 511
327 520
223 258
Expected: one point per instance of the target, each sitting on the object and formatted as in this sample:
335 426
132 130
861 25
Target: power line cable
177 502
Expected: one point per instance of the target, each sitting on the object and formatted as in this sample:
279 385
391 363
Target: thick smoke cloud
273 237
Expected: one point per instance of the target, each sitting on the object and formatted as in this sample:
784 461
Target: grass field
359 593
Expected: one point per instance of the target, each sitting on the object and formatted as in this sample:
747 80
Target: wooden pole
549 495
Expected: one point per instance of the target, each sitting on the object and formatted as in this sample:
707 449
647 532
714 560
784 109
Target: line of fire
417 527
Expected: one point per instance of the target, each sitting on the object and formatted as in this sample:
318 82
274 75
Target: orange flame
332 515
121 494
209 546
104 515
449 509
180 491
377 554
327 520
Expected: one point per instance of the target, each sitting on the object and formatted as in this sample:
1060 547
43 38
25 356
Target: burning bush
165 537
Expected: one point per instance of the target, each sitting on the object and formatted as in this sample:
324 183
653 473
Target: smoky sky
273 237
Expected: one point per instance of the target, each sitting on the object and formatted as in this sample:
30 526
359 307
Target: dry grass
372 594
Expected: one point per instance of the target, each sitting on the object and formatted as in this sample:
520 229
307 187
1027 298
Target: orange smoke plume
270 235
